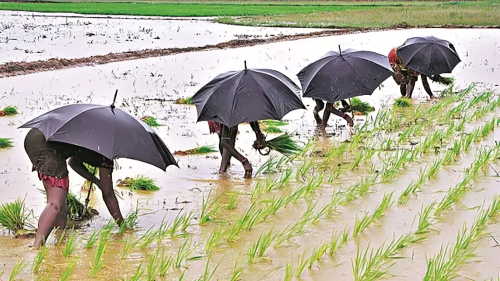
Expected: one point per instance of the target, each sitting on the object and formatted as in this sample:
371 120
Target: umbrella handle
87 200
114 99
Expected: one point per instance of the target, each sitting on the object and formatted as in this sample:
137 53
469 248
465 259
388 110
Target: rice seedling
181 222
139 183
384 205
153 266
92 239
290 231
276 204
304 169
402 102
213 240
150 121
18 267
209 208
326 210
336 151
71 243
9 110
187 100
231 200
152 236
369 265
437 268
284 179
204 149
138 273
259 248
337 241
452 195
426 221
288 272
166 262
237 270
14 216
272 130
99 256
182 254
360 225
6 142
67 273
302 264
127 246
317 253
207 275
435 168
37 261
411 188
129 221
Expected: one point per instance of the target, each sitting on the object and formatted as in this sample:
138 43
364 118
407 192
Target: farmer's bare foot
248 169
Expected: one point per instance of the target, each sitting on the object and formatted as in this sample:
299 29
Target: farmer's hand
248 168
108 165
349 120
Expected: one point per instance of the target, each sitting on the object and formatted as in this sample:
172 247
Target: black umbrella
429 55
343 75
106 130
249 95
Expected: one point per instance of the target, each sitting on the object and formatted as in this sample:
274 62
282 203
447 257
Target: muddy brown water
181 76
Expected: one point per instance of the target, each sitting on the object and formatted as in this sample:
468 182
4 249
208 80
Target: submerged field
411 196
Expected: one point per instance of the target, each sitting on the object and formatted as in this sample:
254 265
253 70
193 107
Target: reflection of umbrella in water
429 55
106 130
248 95
343 75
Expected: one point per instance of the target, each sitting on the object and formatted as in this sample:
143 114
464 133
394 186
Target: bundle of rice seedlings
272 126
283 144
442 80
360 107
9 110
187 100
139 183
5 143
197 150
402 102
14 216
151 121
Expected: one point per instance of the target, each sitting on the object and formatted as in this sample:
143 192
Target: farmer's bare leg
230 151
427 88
326 116
333 110
108 194
319 106
50 217
410 87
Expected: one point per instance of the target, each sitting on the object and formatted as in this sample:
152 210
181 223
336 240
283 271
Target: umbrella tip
340 51
114 99
245 62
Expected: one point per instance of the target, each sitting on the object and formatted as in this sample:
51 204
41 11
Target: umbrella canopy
106 130
429 55
249 95
347 74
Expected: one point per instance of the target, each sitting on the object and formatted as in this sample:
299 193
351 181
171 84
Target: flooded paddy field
30 37
312 218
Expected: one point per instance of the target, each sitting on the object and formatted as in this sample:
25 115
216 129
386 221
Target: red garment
393 58
214 127
55 182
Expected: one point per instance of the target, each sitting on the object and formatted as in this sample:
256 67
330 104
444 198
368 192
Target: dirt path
22 68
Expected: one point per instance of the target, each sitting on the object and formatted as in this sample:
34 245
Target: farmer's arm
258 133
337 112
80 169
427 88
345 106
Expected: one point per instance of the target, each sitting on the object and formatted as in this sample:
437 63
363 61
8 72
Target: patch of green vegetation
4 143
151 121
283 144
275 123
187 100
476 13
139 183
9 110
361 107
14 216
402 102
272 130
198 150
177 9
75 207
